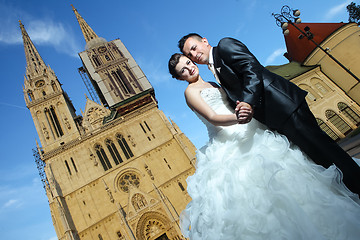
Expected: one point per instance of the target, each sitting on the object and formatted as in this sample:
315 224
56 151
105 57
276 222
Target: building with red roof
324 60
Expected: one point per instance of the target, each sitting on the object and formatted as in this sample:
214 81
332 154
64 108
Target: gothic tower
119 170
52 111
110 67
54 118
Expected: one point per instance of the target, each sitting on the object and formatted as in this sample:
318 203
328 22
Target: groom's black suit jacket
273 98
280 105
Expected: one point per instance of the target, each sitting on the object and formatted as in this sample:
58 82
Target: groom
272 100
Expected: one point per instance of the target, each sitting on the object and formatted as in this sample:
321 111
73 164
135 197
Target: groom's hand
244 112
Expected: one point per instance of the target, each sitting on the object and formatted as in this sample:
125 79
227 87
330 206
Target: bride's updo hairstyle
174 60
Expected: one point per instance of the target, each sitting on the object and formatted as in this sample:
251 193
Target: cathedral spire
88 33
34 62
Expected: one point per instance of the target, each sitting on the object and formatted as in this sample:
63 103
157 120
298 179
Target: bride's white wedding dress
251 183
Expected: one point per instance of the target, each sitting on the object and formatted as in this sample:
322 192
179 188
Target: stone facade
344 46
117 171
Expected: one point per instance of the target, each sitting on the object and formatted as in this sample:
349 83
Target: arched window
100 237
147 126
125 79
181 186
53 120
53 85
102 157
124 146
327 129
311 95
132 76
56 120
116 49
73 163
167 163
113 151
338 122
321 88
142 128
96 60
349 113
67 166
149 130
30 95
121 80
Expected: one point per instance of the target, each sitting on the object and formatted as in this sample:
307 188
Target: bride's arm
196 103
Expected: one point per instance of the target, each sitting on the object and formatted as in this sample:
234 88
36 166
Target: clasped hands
244 112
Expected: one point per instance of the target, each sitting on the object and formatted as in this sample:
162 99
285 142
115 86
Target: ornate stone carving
151 225
149 172
128 179
138 201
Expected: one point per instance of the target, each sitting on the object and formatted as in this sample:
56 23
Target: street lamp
291 16
287 16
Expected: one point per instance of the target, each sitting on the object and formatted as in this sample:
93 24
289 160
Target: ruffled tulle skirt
262 187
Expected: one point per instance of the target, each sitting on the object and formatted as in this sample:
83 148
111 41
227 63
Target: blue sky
150 30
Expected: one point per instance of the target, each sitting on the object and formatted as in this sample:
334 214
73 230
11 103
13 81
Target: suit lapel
216 58
217 62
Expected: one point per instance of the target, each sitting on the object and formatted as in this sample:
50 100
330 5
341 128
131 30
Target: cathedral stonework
118 170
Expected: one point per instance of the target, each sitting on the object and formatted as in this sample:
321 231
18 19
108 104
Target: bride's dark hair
173 61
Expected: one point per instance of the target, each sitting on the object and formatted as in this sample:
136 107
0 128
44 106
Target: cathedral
118 170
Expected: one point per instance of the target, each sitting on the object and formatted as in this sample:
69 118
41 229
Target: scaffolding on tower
40 164
88 85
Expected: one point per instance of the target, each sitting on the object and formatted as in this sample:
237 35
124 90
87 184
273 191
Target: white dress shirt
211 65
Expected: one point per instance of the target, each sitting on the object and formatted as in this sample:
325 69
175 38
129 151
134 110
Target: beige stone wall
344 45
324 95
91 197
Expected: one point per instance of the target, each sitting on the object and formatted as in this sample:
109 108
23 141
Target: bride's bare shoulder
191 90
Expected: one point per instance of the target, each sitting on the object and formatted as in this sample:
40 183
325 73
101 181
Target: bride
252 183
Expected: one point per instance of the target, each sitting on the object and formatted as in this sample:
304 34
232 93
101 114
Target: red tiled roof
298 49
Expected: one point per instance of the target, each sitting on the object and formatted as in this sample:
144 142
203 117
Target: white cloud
9 34
13 203
12 105
240 29
14 196
48 32
24 207
53 238
41 31
154 70
335 11
274 55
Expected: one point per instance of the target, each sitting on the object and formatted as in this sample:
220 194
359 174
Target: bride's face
187 70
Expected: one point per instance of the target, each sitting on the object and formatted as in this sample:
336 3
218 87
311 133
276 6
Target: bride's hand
244 112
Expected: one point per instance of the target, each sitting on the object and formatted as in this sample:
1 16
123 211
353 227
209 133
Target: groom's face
197 50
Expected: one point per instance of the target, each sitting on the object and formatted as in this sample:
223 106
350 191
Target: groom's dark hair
184 38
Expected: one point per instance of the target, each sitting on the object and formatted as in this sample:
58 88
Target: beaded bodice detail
216 98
